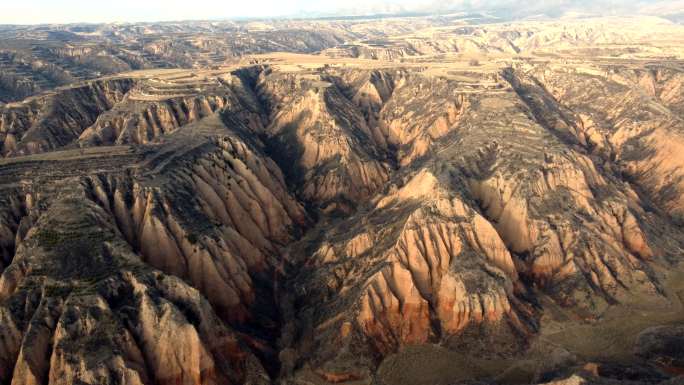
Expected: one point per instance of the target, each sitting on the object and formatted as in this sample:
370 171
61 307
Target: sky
98 11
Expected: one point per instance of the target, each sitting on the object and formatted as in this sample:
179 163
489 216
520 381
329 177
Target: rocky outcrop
140 123
92 312
421 266
420 112
225 216
57 119
434 265
299 224
406 112
636 126
82 268
539 215
14 223
318 130
157 108
15 87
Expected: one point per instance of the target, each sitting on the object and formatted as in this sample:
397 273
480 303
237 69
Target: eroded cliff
312 225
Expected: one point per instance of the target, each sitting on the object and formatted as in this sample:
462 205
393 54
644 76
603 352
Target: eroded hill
312 219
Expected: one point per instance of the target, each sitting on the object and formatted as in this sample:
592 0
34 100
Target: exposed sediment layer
265 224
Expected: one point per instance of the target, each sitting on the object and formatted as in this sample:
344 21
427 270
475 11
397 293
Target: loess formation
441 202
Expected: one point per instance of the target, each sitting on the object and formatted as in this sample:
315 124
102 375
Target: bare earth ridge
392 201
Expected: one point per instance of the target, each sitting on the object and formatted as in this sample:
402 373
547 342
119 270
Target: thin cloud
70 11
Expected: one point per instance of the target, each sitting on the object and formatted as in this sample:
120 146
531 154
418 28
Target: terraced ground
440 203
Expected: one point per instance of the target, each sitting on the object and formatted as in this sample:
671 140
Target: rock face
35 60
454 248
56 119
148 122
82 268
530 213
421 266
642 141
93 312
15 223
296 221
242 214
405 113
316 128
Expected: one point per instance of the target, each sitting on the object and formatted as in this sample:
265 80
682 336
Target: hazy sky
68 11
64 11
